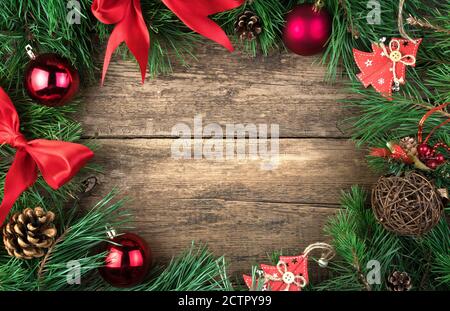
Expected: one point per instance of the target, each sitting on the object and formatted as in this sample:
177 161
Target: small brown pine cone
409 144
29 234
399 282
248 26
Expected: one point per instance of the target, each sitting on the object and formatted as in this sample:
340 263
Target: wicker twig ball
408 205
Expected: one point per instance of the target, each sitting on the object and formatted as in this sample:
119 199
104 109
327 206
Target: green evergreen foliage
357 236
43 25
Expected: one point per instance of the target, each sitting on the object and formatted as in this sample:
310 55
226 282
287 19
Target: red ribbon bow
57 161
131 28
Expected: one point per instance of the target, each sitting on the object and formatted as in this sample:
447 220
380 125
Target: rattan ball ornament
407 205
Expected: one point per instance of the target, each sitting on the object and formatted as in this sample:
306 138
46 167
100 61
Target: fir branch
13 276
361 276
80 237
195 270
44 260
43 24
424 23
358 239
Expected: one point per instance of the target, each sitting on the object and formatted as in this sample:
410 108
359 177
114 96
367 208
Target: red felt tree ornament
127 262
291 272
385 67
50 79
307 29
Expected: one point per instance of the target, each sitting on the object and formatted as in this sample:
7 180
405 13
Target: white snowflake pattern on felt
368 63
381 81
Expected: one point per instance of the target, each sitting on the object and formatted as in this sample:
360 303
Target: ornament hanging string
401 28
130 26
57 161
422 123
327 254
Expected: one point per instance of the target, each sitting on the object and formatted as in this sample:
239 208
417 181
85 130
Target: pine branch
195 270
358 238
80 236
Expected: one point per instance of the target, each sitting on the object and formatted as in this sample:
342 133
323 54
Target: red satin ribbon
57 161
396 153
131 28
422 123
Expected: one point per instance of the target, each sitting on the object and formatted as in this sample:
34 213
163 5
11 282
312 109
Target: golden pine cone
29 234
409 144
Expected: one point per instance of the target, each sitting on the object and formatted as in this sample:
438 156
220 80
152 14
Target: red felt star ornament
385 67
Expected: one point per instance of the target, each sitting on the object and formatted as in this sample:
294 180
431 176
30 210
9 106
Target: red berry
425 151
440 158
432 164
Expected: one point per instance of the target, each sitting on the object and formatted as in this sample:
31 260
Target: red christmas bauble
307 31
51 80
127 262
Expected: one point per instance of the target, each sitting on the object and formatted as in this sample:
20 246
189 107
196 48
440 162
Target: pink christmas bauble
306 32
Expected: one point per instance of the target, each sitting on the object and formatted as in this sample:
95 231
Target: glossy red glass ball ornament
307 31
51 80
127 262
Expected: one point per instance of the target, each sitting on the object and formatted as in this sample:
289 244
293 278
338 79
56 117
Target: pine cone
399 282
409 144
248 26
29 234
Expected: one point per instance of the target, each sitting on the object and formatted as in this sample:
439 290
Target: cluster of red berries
429 156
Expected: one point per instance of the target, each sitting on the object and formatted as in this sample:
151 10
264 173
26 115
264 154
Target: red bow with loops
57 161
131 28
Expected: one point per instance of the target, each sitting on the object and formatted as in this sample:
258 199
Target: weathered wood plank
224 88
241 210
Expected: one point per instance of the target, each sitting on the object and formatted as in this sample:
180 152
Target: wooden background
241 210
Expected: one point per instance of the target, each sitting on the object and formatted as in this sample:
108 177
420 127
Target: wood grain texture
240 209
224 88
